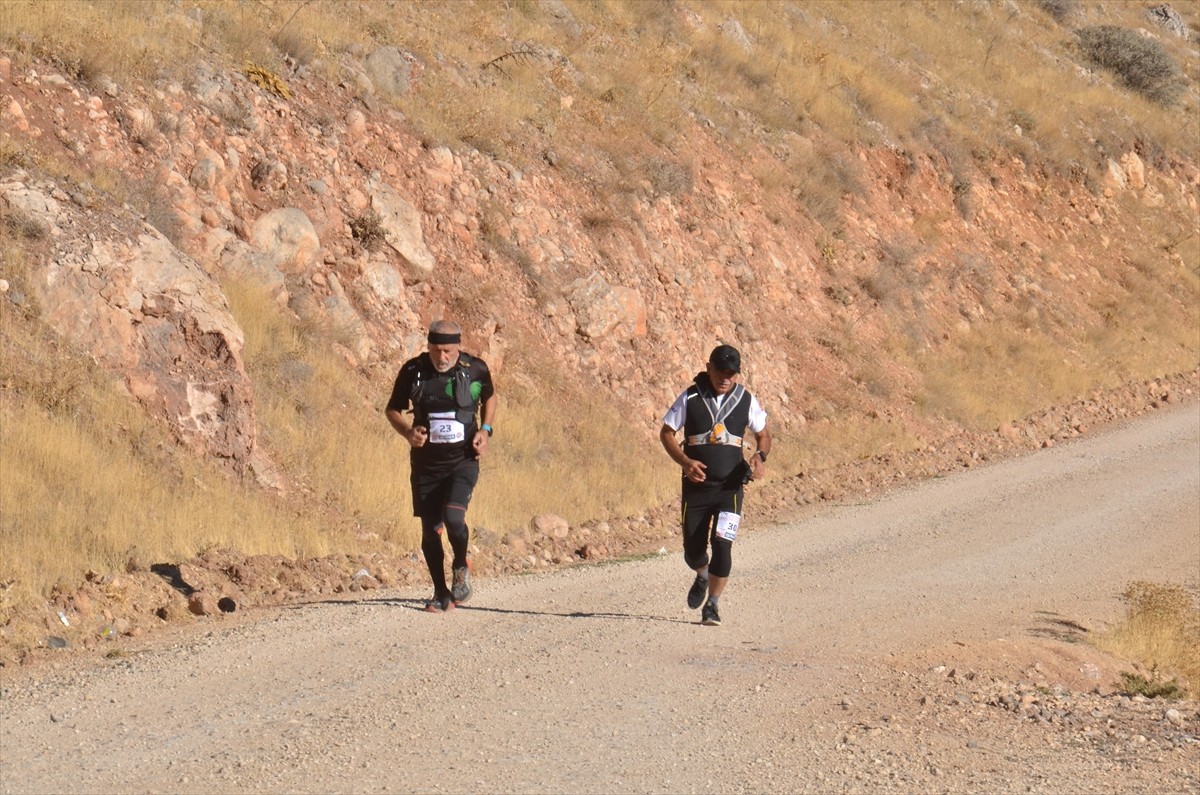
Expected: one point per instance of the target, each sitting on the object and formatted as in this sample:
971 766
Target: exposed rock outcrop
135 303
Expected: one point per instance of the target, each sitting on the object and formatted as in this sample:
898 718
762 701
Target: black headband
444 338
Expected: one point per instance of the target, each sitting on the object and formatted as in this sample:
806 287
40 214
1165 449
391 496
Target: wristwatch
762 456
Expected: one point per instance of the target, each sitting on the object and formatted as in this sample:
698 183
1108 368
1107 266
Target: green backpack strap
465 413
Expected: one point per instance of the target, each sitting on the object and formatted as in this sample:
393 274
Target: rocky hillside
937 298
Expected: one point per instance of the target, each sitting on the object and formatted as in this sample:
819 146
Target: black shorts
700 507
431 492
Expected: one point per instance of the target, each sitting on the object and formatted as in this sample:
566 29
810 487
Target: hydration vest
465 405
714 433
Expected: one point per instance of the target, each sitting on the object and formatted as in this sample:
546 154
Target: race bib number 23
445 430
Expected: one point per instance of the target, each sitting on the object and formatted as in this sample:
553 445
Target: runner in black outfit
715 414
445 388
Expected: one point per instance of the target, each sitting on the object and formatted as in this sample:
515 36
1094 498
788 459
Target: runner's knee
695 560
431 528
722 558
455 519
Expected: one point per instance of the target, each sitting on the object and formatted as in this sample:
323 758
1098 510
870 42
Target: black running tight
454 520
700 509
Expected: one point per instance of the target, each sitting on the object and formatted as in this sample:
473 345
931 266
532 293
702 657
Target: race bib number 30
727 525
445 430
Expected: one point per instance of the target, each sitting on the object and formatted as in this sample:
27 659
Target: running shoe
697 592
440 604
461 589
709 616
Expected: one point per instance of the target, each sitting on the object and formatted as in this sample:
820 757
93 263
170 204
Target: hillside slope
241 253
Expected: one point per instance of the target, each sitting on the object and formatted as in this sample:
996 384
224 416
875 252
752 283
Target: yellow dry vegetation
859 71
1161 630
97 478
89 480
265 78
328 432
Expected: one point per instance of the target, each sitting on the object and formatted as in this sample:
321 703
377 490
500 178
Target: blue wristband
486 427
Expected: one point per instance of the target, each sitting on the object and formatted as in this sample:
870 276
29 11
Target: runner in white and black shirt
716 413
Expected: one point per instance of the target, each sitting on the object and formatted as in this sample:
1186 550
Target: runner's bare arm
693 470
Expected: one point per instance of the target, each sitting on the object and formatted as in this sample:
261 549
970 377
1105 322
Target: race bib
444 429
727 525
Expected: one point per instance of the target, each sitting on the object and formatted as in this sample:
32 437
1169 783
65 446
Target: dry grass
117 501
1150 323
583 468
1160 631
89 40
328 433
997 373
1146 323
149 39
823 184
86 477
857 72
971 66
830 441
315 418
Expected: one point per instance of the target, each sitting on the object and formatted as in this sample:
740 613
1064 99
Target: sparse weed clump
1150 686
1060 10
668 177
295 45
21 225
367 229
1160 631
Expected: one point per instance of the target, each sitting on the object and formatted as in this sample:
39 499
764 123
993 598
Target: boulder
550 525
601 308
388 70
288 239
147 311
401 223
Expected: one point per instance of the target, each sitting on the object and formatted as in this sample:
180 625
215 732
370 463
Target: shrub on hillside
295 45
18 223
367 229
1059 9
667 177
1140 63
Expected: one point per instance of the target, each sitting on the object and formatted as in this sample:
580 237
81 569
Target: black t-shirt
435 407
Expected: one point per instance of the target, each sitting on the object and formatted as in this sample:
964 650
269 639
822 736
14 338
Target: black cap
726 357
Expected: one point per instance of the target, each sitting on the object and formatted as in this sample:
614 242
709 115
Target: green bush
1139 685
1141 64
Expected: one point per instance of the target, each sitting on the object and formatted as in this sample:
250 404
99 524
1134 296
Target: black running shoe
709 617
440 603
697 592
461 589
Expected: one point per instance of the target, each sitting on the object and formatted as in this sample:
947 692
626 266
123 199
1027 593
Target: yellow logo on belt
717 434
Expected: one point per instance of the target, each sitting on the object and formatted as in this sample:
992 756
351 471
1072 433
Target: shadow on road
419 605
170 572
1053 626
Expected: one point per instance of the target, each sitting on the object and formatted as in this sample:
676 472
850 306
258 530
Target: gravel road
861 652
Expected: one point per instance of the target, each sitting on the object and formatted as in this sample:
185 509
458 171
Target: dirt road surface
921 642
